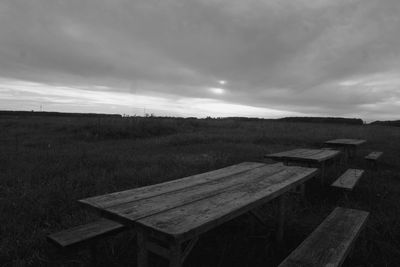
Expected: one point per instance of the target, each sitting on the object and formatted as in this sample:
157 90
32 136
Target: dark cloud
317 57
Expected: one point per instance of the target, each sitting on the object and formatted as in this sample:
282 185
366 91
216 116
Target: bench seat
330 243
82 234
349 179
374 155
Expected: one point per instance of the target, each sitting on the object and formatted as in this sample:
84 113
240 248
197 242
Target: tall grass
46 164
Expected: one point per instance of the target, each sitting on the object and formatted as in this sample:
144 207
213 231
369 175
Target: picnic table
169 217
305 156
349 146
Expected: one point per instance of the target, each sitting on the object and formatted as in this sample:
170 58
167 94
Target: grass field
46 164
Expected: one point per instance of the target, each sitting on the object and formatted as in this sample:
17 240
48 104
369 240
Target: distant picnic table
169 217
310 157
349 146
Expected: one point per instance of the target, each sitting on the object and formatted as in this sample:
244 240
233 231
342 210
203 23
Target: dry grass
46 164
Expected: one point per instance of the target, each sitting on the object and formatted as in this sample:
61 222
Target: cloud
314 57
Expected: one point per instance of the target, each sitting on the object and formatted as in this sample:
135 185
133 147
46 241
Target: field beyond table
344 142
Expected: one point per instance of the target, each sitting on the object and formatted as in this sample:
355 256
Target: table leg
176 259
142 257
353 152
323 173
281 219
302 190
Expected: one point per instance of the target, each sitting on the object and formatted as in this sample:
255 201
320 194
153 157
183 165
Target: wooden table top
305 154
187 207
344 142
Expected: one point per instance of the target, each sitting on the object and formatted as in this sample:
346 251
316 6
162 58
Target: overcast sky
263 58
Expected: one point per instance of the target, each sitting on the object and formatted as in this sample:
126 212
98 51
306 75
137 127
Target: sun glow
217 91
222 82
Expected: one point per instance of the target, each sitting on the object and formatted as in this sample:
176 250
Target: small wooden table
349 146
309 157
169 217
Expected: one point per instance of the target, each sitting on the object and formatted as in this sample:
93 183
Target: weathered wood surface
191 219
307 155
186 207
374 155
349 179
114 199
346 142
148 206
330 243
85 233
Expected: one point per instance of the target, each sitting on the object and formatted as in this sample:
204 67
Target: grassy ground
46 164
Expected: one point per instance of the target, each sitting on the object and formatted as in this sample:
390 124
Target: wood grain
113 199
344 142
330 243
85 233
308 155
349 179
134 210
190 220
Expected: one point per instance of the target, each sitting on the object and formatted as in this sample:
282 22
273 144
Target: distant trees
387 123
337 120
56 114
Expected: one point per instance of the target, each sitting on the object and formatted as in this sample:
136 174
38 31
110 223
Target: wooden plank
134 210
313 155
354 142
109 200
330 243
84 233
301 153
374 155
323 155
283 154
349 179
306 155
197 217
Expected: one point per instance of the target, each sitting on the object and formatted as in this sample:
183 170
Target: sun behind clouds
217 91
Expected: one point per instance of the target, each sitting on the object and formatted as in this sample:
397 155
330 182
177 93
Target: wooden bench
373 157
349 179
331 242
85 235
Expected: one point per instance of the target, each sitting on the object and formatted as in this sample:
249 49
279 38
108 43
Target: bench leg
372 165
